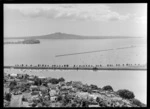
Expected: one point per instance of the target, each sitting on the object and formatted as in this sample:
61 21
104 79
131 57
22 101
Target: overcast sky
82 19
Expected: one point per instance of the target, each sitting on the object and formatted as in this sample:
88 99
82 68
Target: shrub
24 99
8 97
138 103
59 98
124 93
98 99
37 82
107 88
74 105
94 87
85 103
54 81
61 79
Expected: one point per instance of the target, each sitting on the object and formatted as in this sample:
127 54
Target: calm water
45 52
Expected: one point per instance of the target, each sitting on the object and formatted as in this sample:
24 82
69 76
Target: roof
30 81
33 86
52 92
13 74
41 77
50 85
94 106
10 80
42 88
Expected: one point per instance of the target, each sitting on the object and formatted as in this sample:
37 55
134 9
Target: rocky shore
23 90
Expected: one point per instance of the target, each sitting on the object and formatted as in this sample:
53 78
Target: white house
13 74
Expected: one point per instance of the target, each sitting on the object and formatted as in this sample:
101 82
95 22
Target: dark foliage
8 96
94 87
54 81
138 103
124 93
37 82
107 88
61 79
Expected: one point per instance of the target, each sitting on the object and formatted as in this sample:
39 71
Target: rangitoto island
27 41
65 36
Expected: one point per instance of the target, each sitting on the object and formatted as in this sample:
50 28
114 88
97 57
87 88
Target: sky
128 19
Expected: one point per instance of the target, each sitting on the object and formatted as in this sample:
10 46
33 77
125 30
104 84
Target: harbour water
46 51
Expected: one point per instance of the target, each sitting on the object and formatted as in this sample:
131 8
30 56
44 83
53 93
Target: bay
47 50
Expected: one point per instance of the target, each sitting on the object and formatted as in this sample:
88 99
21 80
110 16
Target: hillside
59 35
22 90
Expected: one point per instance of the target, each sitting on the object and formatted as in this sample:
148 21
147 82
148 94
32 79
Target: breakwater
78 68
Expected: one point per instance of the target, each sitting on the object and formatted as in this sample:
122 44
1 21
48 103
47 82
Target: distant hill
59 35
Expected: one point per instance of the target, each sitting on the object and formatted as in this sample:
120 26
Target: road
16 101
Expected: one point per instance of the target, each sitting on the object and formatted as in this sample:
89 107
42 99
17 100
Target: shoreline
78 68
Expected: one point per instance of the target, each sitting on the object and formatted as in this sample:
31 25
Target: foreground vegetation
22 90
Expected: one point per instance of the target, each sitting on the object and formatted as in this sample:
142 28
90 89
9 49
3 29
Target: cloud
96 12
141 20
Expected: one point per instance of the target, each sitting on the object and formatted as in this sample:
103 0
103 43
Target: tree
59 98
37 82
8 96
124 93
12 84
137 102
61 79
54 81
85 103
107 88
94 87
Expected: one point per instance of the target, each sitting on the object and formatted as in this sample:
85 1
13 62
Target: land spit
79 68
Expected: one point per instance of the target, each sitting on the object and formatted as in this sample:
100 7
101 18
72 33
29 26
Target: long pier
77 68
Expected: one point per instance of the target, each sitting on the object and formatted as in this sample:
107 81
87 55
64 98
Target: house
93 96
83 95
26 95
63 92
20 76
25 104
21 83
13 74
10 80
66 87
52 86
43 88
41 77
33 87
46 98
34 92
30 82
95 91
33 97
53 93
62 83
53 99
31 77
97 105
6 90
77 84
